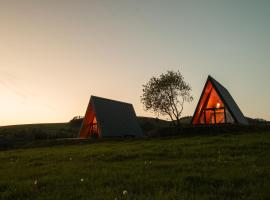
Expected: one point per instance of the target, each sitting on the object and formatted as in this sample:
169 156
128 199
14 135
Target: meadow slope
227 166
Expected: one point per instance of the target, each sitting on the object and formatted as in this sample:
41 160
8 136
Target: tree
166 95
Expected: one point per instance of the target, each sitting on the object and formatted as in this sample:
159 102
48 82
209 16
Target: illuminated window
212 109
216 106
94 129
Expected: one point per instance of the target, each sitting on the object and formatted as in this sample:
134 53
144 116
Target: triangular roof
114 118
226 98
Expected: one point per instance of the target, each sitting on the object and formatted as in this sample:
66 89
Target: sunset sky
54 54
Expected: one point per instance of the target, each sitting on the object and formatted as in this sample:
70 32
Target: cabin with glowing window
216 106
109 118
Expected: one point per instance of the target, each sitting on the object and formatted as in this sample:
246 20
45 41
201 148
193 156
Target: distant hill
18 135
23 135
145 122
186 120
256 121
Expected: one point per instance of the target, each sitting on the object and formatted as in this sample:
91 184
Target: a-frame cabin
109 118
216 106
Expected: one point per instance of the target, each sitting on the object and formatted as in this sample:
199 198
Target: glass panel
214 100
94 129
229 117
220 117
95 120
199 115
209 117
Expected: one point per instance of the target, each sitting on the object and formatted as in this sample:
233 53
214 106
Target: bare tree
166 95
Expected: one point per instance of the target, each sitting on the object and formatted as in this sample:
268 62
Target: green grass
224 166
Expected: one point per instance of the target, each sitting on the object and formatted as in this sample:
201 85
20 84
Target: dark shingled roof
115 118
229 102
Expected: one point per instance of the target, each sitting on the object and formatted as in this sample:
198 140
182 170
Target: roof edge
197 106
102 98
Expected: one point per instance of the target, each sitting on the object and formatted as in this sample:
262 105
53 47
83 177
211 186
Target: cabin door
94 129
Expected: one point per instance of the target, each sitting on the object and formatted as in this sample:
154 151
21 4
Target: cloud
49 106
14 84
13 89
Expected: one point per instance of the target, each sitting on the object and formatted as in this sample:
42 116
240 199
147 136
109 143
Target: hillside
22 135
225 166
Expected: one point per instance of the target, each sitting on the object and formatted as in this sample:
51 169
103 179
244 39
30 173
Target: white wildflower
82 179
35 182
125 192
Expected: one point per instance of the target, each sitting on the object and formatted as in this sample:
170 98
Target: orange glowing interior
211 109
90 126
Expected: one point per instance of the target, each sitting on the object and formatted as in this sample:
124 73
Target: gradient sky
55 53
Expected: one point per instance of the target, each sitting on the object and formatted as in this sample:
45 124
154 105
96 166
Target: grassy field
224 166
22 135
